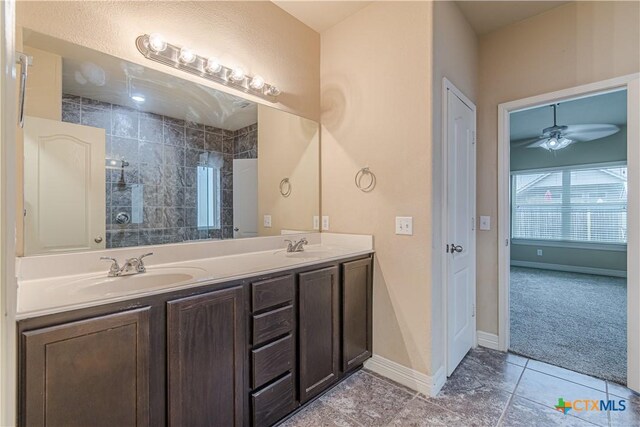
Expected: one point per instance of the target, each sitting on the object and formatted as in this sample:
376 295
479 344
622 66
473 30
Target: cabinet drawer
272 360
272 324
273 402
269 293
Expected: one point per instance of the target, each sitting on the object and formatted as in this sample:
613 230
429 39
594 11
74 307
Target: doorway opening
568 191
568 164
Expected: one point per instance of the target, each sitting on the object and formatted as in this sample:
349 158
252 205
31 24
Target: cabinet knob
98 239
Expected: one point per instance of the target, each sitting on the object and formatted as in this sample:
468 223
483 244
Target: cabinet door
206 351
319 331
356 313
91 372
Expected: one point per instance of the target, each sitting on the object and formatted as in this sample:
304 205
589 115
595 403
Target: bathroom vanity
235 350
225 327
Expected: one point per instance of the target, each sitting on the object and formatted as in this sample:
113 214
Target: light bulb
257 82
186 56
237 74
273 91
552 142
157 43
213 65
138 98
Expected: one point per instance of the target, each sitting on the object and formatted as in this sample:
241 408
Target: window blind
578 205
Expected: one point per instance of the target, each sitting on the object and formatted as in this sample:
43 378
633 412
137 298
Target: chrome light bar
155 48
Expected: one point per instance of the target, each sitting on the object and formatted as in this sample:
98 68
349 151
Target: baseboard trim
569 268
485 339
425 384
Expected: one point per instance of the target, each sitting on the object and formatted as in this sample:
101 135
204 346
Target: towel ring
285 187
372 180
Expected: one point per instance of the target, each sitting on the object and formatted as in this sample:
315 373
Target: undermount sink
153 278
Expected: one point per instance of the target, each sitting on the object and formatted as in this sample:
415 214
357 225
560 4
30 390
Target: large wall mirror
117 155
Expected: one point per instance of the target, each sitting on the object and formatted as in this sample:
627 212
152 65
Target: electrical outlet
325 222
485 223
404 225
539 252
267 221
316 222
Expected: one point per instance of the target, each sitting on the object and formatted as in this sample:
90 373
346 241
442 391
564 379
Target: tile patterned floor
489 388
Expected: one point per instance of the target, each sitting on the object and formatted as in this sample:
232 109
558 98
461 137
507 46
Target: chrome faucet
296 246
130 266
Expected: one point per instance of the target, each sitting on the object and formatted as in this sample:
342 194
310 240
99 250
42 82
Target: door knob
456 248
98 239
236 229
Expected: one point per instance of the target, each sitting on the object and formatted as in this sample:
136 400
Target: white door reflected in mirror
64 186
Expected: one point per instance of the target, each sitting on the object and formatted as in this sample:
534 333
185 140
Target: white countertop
209 263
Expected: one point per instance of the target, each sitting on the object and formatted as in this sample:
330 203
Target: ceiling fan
558 137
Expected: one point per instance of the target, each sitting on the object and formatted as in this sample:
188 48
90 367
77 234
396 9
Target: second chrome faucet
293 246
130 266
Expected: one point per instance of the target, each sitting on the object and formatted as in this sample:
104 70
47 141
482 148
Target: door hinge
473 224
473 137
473 313
447 250
506 242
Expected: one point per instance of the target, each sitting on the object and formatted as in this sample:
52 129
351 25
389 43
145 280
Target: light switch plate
267 221
325 222
404 225
316 222
539 252
485 223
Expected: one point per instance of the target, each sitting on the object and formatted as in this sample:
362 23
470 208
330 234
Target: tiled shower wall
159 190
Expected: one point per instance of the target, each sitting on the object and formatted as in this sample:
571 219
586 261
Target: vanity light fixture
213 66
237 74
186 56
155 47
257 82
157 43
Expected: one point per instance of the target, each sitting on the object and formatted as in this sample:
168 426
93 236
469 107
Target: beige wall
259 36
575 44
376 90
288 147
455 56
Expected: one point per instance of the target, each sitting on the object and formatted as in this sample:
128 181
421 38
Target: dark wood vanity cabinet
273 349
242 353
90 372
318 329
356 295
206 350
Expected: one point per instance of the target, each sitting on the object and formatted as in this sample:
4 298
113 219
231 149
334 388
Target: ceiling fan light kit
557 137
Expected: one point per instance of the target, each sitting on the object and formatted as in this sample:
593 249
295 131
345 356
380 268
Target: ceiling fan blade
534 143
583 133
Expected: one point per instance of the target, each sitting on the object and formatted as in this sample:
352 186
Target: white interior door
245 198
460 233
64 186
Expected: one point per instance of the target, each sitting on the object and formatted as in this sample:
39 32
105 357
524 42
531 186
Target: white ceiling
96 75
608 108
321 15
487 16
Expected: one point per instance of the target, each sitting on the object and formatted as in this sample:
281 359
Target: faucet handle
141 268
115 267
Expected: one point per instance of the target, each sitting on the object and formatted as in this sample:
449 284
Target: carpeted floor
576 321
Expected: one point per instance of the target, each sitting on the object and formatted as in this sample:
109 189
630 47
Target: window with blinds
576 205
